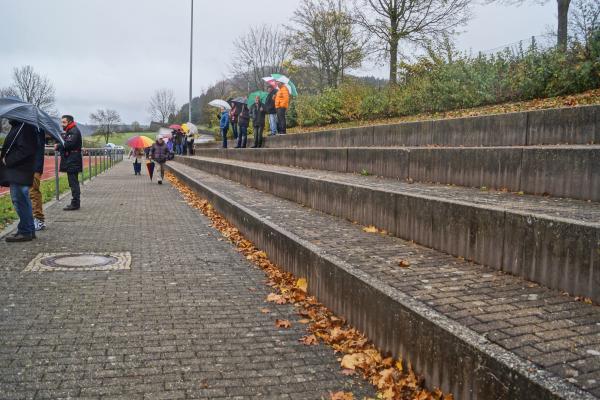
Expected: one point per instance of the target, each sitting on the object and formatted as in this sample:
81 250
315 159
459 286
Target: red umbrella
175 126
150 166
140 142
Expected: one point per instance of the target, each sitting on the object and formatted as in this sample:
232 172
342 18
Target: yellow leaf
302 284
370 229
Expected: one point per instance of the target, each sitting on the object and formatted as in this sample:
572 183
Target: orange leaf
283 323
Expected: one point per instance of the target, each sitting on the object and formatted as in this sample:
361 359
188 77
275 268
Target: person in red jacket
282 102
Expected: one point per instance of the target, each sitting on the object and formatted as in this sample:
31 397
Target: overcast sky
115 53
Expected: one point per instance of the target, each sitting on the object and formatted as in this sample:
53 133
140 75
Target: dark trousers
22 203
234 128
73 178
281 125
242 136
137 167
191 147
224 137
258 134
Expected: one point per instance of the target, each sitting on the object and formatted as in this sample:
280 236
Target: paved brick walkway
554 331
184 322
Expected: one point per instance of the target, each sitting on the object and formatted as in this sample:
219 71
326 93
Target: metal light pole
191 58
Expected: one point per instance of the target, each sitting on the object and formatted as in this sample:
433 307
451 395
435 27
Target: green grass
120 139
47 187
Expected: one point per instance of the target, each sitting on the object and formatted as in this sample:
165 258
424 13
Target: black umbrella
18 110
240 100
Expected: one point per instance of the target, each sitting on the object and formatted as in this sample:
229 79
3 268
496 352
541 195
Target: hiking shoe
39 224
71 207
160 182
19 237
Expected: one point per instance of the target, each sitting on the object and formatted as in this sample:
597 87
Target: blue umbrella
18 110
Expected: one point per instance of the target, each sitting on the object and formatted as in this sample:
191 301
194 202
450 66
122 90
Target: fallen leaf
370 229
404 263
309 340
283 323
302 284
341 396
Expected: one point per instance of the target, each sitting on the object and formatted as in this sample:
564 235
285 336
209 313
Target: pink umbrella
175 126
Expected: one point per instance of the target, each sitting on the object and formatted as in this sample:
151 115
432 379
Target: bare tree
33 88
585 21
416 21
8 91
162 105
325 38
105 120
259 53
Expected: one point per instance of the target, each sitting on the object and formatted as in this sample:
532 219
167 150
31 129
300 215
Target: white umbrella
283 79
193 129
220 103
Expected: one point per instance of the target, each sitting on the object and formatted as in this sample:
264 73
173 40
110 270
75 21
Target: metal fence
95 162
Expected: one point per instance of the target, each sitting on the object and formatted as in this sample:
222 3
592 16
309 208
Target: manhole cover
79 262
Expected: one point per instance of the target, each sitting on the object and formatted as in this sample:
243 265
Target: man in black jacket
71 161
18 160
271 111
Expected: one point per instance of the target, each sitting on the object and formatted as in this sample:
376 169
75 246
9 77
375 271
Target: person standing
35 195
17 161
71 161
184 143
271 111
159 154
224 125
233 119
243 122
190 144
257 113
178 139
282 102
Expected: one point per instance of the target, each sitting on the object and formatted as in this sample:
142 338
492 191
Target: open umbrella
240 100
220 103
287 82
271 81
150 167
140 142
18 110
175 126
188 127
262 94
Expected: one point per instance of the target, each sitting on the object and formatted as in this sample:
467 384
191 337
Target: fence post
56 182
90 164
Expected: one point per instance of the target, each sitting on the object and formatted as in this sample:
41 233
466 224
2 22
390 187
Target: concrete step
562 171
474 332
570 125
552 241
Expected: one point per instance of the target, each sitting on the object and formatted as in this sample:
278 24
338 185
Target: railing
98 161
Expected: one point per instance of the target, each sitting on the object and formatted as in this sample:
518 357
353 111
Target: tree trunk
563 14
393 63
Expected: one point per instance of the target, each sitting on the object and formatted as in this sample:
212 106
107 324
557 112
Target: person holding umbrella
224 125
233 119
35 195
257 113
17 162
271 111
159 154
71 160
282 102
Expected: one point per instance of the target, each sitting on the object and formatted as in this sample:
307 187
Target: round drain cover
78 261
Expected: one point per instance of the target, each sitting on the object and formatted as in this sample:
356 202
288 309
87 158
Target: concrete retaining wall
445 353
572 172
560 254
571 125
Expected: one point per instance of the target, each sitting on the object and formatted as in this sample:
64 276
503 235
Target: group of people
159 153
21 168
240 115
183 142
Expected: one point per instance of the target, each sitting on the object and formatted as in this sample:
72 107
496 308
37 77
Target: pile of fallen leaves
358 356
580 99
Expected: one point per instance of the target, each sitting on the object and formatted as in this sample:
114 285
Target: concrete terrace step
473 331
571 125
562 171
551 241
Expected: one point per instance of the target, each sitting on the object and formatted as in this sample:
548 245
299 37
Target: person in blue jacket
224 125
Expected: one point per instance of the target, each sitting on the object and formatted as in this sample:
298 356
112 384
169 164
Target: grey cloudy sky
115 53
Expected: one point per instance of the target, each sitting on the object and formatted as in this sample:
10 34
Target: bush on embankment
438 84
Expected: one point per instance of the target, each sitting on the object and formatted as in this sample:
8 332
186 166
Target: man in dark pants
71 161
17 159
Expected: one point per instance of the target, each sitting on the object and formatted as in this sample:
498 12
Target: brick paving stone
536 323
183 322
